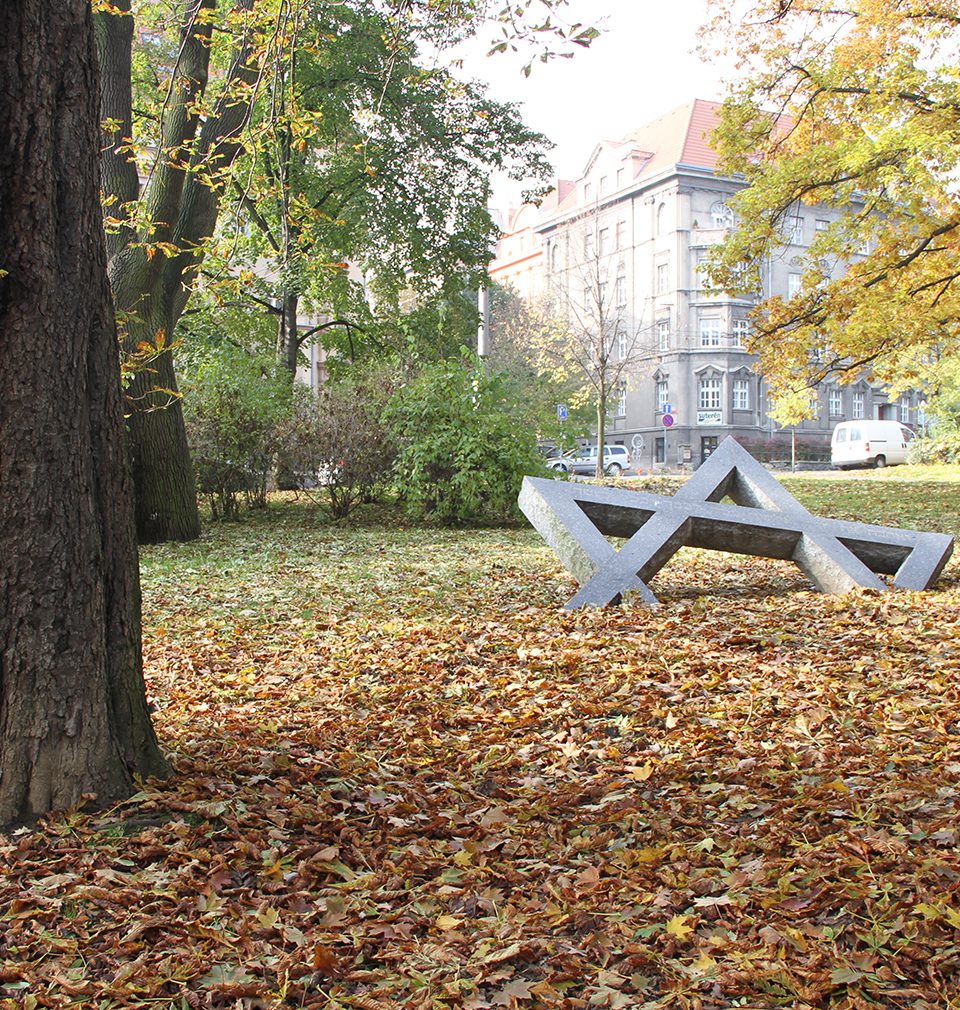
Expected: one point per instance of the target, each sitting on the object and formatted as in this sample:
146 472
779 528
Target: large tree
855 105
203 67
368 188
73 715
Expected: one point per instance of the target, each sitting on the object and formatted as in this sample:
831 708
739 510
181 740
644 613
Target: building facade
645 213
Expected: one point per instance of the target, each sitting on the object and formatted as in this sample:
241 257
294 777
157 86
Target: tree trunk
601 427
73 713
289 349
166 492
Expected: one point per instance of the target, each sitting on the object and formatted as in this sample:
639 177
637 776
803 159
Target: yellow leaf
463 858
649 854
640 773
952 916
927 911
446 922
678 927
704 963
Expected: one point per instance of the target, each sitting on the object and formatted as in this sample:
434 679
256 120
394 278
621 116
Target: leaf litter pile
404 777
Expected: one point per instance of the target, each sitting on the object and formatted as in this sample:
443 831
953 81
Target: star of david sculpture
765 521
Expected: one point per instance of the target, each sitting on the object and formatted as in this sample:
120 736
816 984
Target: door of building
707 444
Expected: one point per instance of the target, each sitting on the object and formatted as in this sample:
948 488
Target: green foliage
234 406
854 108
943 448
464 440
367 178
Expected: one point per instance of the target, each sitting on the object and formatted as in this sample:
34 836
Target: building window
663 335
857 412
604 241
710 331
554 257
821 224
621 398
660 450
621 291
588 244
621 344
741 331
663 278
741 394
721 215
587 192
620 234
835 402
794 284
621 177
793 230
709 394
603 184
904 410
663 395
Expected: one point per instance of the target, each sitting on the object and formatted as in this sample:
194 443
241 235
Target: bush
464 443
939 449
233 405
337 441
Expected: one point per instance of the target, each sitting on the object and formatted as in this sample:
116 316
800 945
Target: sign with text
709 417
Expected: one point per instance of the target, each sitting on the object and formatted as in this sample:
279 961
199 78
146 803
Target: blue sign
561 412
666 420
665 408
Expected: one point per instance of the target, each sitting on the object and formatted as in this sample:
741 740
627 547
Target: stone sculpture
766 521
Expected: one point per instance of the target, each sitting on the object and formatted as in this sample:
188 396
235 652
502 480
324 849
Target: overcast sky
643 65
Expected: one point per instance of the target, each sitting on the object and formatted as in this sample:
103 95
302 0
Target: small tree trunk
601 428
289 346
73 713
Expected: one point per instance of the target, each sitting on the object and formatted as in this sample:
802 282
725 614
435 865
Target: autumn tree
73 716
204 66
526 338
852 105
595 338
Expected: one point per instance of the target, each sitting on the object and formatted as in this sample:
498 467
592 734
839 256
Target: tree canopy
856 106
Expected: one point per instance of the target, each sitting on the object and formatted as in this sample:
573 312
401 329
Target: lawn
405 777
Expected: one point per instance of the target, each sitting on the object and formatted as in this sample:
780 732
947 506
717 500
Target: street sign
561 412
665 408
666 420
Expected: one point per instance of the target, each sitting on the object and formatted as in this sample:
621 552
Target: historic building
644 214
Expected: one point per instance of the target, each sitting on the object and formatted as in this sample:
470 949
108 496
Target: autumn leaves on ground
406 778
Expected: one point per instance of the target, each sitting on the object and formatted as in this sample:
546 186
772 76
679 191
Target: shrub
337 440
233 406
464 443
943 448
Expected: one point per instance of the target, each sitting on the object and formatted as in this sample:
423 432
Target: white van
869 443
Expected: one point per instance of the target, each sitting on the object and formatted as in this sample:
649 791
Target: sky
643 65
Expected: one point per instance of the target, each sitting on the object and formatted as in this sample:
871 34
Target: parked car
583 462
869 443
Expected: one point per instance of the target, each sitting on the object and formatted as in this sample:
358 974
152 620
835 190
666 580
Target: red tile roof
679 137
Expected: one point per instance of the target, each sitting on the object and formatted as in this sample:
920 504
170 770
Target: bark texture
73 712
